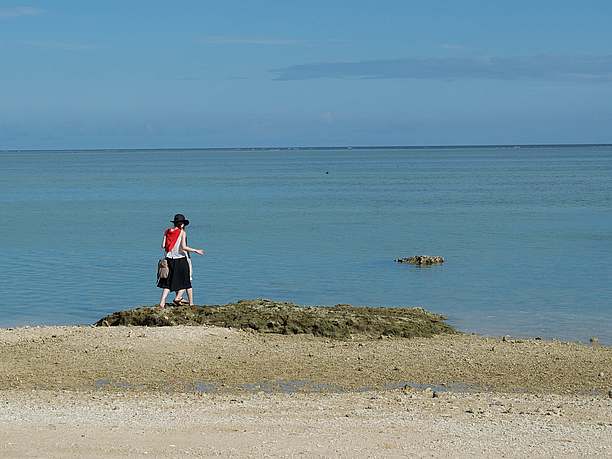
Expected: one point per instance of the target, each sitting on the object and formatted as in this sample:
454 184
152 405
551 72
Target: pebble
428 392
407 389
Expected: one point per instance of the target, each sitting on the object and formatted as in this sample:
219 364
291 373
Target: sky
203 74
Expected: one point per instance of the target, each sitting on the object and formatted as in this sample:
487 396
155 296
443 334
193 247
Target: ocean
526 232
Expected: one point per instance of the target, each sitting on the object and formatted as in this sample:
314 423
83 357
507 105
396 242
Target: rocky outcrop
266 316
421 260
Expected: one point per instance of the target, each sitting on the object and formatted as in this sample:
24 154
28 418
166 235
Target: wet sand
191 359
168 391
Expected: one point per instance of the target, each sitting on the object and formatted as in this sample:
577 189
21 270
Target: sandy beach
206 391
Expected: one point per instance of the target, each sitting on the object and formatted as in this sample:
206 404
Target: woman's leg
164 295
179 296
190 295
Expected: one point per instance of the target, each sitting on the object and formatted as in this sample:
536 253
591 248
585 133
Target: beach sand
206 391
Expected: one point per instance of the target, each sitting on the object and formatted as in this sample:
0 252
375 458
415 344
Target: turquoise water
527 232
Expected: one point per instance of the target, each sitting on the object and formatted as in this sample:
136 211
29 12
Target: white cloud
541 67
65 46
452 46
223 40
16 11
328 117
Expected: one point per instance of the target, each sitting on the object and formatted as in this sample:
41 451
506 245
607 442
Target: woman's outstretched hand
199 251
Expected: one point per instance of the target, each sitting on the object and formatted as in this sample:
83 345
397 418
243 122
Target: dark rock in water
421 260
266 316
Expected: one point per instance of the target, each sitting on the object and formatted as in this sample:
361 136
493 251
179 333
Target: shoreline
508 336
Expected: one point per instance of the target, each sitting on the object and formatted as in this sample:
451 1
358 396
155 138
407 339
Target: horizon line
324 147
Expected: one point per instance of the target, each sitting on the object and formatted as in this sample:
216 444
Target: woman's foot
179 302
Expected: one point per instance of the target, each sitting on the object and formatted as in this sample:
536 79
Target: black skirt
178 278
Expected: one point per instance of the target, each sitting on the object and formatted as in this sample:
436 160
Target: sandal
179 302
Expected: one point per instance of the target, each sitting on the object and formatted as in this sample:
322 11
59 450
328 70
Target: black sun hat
180 218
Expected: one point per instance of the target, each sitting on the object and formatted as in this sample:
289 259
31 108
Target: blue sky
141 74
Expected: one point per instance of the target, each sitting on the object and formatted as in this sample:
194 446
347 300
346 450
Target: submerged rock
421 260
267 316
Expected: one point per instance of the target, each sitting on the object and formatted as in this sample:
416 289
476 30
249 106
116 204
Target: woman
179 277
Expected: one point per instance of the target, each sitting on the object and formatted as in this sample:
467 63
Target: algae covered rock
267 316
421 260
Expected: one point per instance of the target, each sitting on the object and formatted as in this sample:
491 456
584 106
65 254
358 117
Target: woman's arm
163 246
186 248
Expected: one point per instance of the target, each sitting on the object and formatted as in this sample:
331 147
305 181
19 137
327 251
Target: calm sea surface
527 232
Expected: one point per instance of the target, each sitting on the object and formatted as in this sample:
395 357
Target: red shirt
172 235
